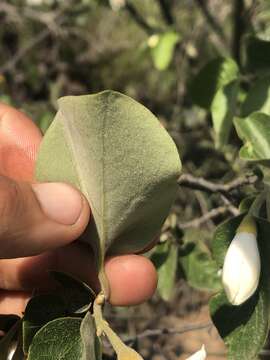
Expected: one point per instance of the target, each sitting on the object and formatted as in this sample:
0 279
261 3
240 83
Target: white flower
242 265
199 355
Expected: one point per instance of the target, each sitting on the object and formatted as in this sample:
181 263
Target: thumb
39 217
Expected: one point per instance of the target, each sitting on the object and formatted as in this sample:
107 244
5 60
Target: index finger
19 142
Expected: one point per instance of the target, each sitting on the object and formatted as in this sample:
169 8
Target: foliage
213 98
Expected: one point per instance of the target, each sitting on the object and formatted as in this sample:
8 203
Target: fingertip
132 278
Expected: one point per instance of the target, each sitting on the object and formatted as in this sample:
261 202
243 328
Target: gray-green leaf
40 310
116 152
91 343
59 339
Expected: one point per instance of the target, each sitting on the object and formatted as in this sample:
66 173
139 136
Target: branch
137 17
212 21
198 183
165 331
166 11
33 42
195 223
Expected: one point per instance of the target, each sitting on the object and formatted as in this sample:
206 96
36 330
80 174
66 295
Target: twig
198 183
165 7
137 17
195 223
158 332
10 11
233 210
212 21
204 208
42 35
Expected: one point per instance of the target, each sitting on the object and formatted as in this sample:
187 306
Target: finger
19 142
122 270
76 259
38 218
13 302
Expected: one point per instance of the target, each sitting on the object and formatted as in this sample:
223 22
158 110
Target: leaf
165 259
163 51
91 343
59 339
213 76
45 121
201 271
6 341
246 203
254 130
223 110
77 295
258 98
7 321
115 151
19 354
257 54
244 328
40 310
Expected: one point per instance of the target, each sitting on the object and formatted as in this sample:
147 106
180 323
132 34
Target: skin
31 244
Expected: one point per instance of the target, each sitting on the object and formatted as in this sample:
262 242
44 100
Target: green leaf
244 328
122 159
7 340
19 354
40 310
258 98
165 259
163 51
254 130
246 203
201 270
7 321
223 110
77 295
60 339
213 76
257 54
45 121
91 343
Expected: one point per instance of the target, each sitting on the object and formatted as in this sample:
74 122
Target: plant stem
122 350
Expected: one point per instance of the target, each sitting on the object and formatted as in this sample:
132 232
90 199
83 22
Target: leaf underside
116 152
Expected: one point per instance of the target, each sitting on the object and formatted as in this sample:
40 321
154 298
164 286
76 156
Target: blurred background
150 50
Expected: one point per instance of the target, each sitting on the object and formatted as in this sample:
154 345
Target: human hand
39 223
